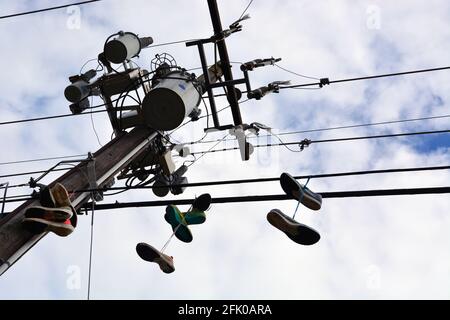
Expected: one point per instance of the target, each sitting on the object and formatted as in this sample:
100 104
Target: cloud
382 248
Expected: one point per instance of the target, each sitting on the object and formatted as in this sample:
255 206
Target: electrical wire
367 77
210 149
90 249
47 9
93 125
42 159
29 173
247 181
86 63
338 128
295 73
243 199
169 43
51 117
261 136
220 95
272 179
245 10
308 142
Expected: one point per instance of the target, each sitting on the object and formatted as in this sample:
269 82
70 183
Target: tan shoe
296 231
60 196
148 253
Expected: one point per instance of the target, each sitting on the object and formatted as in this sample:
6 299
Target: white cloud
387 247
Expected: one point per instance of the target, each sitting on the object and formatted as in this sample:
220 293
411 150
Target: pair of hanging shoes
54 214
296 231
181 220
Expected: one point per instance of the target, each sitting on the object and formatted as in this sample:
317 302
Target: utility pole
15 241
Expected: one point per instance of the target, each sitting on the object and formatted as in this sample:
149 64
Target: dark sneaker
178 222
39 225
51 214
294 190
202 203
297 232
148 253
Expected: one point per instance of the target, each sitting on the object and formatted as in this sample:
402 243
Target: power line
50 117
367 77
308 142
245 10
261 136
263 180
275 144
47 9
169 43
336 128
219 95
30 173
325 195
295 73
42 159
243 199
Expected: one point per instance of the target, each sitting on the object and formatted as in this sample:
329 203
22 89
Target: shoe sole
54 214
202 203
292 189
195 217
298 232
148 253
183 233
36 224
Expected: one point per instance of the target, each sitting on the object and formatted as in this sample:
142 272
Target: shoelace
301 197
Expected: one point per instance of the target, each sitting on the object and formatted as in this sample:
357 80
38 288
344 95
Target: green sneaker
195 216
178 222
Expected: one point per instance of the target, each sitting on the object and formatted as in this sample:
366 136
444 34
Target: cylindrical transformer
123 48
77 91
171 101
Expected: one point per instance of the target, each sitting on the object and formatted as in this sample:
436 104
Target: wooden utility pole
15 241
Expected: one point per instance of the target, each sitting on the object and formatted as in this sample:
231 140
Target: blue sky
370 248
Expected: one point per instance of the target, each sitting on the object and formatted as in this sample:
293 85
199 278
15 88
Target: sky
370 248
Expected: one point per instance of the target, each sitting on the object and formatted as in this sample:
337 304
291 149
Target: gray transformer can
171 101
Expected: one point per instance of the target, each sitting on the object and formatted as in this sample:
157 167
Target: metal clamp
96 194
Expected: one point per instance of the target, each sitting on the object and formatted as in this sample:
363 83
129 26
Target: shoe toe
305 235
203 202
